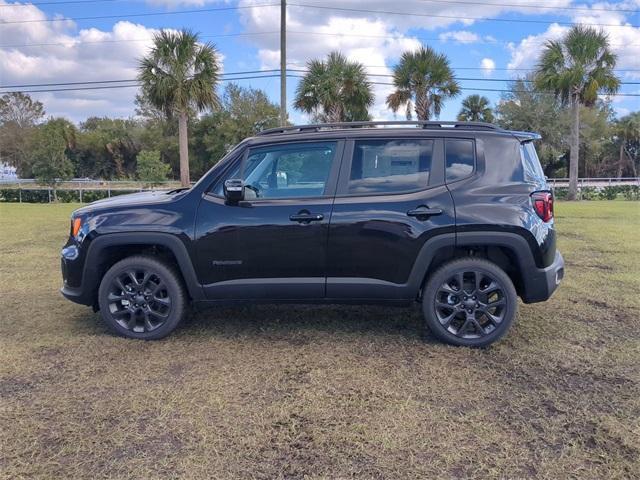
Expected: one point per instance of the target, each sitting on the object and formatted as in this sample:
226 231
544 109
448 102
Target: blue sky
490 41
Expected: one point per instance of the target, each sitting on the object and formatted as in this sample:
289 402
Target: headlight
79 228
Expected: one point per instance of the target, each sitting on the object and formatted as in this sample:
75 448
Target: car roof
386 129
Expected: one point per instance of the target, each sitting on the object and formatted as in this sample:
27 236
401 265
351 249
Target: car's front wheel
142 297
469 302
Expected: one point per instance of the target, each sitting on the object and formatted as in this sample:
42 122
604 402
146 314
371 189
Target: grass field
323 392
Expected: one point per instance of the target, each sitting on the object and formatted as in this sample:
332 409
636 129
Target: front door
391 199
272 245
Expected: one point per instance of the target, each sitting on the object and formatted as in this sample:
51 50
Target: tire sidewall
173 287
450 269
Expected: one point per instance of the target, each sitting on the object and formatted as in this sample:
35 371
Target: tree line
182 127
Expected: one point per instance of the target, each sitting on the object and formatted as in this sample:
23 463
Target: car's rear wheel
469 302
142 297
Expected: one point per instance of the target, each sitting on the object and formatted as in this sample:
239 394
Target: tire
475 316
142 297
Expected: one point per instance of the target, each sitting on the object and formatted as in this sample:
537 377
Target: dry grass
323 392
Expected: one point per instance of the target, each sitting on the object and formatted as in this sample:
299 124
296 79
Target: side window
286 171
460 158
390 166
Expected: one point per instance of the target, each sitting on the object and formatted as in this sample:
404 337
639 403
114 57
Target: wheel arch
105 250
508 250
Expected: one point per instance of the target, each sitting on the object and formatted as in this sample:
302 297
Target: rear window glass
532 168
460 158
390 166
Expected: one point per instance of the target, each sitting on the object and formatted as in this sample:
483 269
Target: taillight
543 205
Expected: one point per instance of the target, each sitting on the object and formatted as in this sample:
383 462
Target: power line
295 64
109 87
247 72
248 34
248 77
515 5
76 42
146 14
463 78
392 37
454 17
537 7
64 2
90 82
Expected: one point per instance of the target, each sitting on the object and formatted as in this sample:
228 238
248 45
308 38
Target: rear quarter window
531 164
460 158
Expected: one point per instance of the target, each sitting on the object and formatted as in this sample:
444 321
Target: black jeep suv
455 216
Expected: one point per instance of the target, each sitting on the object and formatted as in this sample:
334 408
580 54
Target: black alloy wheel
139 300
141 297
469 302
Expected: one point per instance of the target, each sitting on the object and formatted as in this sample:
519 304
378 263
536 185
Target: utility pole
283 62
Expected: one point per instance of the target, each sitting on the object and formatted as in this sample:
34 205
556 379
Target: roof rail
401 123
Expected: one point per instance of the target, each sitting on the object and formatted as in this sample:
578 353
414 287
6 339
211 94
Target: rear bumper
540 283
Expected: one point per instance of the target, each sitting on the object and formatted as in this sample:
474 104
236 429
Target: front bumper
540 283
71 265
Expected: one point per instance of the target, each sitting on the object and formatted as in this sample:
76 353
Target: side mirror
234 190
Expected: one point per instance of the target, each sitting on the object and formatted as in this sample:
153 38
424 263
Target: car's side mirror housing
234 190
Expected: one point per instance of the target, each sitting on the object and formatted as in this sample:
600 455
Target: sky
487 42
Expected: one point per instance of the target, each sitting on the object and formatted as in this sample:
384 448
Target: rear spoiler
526 136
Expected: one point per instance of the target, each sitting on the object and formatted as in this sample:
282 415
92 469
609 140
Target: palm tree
577 68
475 108
425 78
179 76
335 90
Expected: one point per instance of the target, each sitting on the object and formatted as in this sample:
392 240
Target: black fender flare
514 242
91 273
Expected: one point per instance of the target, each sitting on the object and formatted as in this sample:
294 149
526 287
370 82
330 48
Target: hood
132 200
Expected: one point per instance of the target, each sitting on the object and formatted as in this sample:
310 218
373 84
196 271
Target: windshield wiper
176 190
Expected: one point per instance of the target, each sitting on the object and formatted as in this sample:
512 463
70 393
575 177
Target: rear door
390 200
273 245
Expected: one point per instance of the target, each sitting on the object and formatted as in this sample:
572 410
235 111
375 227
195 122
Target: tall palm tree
335 90
179 76
423 78
475 108
577 68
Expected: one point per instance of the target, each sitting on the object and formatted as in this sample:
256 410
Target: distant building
7 172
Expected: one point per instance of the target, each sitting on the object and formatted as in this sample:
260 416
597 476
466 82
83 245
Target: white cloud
624 39
460 36
488 66
60 57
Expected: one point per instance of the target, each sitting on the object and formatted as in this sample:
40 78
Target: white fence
109 188
114 187
595 182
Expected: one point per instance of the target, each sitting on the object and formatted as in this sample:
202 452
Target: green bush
36 196
9 195
561 193
89 196
589 193
631 192
68 196
610 193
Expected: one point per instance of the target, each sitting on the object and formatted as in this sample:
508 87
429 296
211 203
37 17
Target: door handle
424 212
306 217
